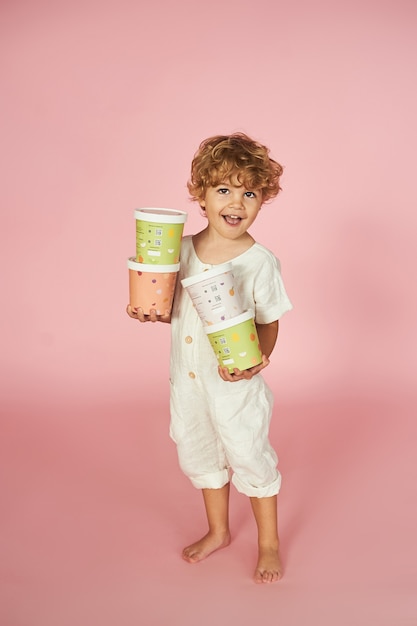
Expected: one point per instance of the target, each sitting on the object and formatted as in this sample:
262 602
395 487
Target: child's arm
152 317
267 334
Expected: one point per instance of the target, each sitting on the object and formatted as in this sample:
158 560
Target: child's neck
212 249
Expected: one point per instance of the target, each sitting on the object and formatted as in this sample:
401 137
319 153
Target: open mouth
233 220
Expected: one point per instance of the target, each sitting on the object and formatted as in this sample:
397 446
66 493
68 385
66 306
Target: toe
267 577
258 577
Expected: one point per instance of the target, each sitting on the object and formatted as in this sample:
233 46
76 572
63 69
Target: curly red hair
222 157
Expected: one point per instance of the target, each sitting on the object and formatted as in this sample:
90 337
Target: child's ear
203 204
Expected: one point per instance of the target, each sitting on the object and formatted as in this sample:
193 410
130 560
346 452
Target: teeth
232 219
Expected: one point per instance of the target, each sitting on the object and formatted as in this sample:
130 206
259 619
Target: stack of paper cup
153 271
231 330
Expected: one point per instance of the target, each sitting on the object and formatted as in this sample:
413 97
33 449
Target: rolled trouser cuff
266 491
216 480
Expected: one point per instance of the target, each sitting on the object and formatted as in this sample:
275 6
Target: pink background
103 105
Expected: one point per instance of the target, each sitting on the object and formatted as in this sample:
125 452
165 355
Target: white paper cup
214 294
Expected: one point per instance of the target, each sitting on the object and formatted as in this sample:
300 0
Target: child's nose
236 201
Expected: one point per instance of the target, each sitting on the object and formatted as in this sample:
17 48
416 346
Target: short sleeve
261 287
270 296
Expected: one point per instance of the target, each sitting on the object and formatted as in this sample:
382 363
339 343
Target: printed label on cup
214 294
158 235
235 342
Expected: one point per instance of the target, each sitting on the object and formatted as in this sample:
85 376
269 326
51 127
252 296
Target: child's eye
223 190
250 194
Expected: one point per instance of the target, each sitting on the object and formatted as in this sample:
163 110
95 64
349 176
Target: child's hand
242 374
138 314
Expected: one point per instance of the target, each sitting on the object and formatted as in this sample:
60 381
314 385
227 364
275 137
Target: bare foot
269 568
209 543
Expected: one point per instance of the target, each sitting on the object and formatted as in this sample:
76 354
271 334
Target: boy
221 429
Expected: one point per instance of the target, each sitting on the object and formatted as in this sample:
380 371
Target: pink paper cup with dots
235 342
151 286
214 294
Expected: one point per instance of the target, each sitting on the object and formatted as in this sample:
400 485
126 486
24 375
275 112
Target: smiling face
231 208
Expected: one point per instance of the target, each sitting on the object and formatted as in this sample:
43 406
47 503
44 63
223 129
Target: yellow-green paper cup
158 235
235 342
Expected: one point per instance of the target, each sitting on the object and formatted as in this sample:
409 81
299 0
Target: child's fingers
230 377
166 317
138 314
152 317
224 374
131 313
242 374
257 368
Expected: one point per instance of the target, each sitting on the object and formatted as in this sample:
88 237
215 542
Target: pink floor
95 539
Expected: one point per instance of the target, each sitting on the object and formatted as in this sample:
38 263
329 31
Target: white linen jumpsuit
221 428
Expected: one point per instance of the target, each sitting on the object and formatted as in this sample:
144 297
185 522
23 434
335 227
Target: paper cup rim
161 216
156 269
229 323
214 271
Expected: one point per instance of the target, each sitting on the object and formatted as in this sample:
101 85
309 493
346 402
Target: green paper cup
235 342
158 235
151 286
